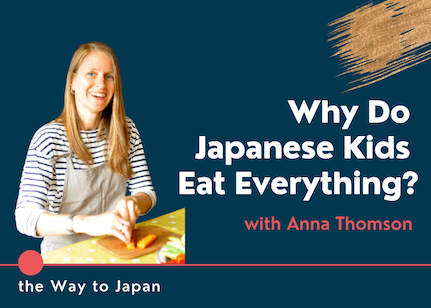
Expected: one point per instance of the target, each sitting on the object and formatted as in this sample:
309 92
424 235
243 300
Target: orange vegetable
181 258
144 242
130 245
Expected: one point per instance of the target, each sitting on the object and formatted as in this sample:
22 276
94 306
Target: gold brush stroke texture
379 40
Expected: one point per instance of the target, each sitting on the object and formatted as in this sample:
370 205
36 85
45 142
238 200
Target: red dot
30 262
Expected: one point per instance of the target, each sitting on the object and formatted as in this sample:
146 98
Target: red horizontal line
8 264
244 265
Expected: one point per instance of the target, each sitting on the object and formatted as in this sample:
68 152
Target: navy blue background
225 70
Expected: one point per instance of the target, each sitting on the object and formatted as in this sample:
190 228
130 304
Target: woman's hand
109 223
128 208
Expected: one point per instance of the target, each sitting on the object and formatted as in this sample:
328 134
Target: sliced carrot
143 243
130 245
181 258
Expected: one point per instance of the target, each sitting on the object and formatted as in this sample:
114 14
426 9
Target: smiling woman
79 166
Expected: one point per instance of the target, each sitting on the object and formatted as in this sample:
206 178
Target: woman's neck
90 122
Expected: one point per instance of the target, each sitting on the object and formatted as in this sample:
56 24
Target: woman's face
93 84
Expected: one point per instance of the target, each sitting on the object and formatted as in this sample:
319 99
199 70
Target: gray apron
88 191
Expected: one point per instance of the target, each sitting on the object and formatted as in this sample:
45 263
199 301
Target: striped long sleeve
42 180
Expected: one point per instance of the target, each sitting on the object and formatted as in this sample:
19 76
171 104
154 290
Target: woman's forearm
143 201
51 224
55 224
109 223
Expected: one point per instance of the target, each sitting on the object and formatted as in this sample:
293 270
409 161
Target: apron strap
54 159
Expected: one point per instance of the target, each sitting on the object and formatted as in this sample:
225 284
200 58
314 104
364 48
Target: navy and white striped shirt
42 180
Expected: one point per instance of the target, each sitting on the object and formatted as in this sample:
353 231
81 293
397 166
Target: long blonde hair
113 117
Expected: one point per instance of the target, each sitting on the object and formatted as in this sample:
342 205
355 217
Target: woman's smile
100 96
